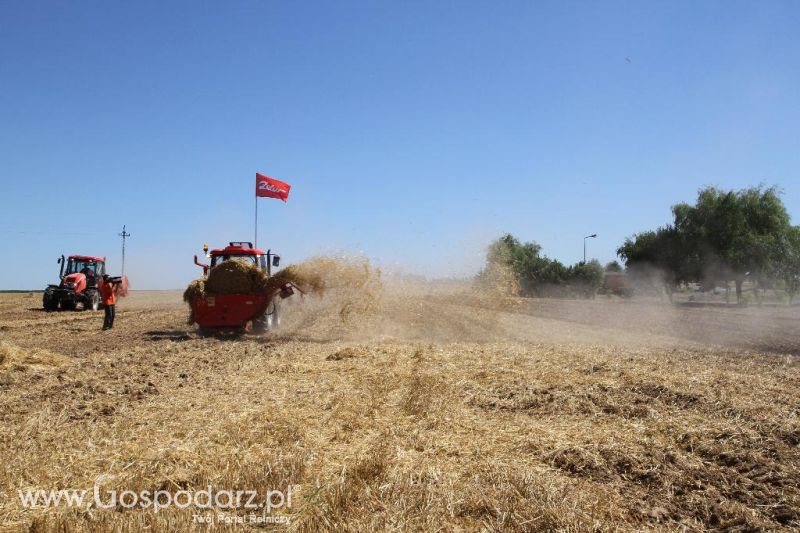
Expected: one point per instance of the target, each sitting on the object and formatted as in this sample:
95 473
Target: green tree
510 262
538 274
725 235
613 266
586 278
789 266
734 234
661 257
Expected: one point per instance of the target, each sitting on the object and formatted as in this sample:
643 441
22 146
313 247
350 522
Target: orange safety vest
109 293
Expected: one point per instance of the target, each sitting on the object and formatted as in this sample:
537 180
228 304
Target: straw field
413 408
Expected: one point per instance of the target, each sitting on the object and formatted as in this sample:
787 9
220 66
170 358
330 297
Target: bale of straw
235 277
195 290
229 277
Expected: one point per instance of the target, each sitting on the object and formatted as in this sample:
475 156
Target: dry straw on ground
12 356
442 416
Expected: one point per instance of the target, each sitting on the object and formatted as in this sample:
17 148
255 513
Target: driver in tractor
89 273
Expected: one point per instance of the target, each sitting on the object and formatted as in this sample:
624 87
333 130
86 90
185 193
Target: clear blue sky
413 132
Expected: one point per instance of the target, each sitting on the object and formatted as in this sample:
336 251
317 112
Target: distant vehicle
81 276
617 283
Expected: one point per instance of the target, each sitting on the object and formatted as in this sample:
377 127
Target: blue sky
412 132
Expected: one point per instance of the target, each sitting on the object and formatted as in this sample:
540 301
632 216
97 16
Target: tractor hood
75 282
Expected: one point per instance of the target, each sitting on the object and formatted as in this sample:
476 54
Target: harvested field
408 410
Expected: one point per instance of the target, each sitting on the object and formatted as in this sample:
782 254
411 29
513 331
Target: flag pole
255 243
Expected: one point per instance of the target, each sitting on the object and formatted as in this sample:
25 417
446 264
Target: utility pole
124 236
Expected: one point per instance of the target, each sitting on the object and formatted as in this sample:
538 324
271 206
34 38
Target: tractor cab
85 265
242 251
78 267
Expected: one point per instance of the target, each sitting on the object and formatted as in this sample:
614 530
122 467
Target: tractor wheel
68 305
49 302
262 324
270 320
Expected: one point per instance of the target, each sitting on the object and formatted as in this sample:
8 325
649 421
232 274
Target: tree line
517 268
724 237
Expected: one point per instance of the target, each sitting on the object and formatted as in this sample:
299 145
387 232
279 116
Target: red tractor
81 276
237 313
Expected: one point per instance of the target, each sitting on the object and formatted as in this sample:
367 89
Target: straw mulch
12 356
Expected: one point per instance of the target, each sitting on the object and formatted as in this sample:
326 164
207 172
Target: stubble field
415 410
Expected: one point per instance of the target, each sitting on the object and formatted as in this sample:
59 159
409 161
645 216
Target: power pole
592 236
124 236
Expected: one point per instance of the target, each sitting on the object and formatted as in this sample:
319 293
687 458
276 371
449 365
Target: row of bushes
516 268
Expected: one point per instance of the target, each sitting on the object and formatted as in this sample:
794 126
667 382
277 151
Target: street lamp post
592 236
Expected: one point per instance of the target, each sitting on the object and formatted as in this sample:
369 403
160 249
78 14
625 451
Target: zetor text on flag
271 188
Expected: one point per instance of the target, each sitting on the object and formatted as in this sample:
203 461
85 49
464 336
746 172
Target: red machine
238 313
81 276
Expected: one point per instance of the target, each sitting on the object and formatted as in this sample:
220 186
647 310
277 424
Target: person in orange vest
109 292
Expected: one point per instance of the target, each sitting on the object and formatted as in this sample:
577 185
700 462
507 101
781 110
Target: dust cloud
362 303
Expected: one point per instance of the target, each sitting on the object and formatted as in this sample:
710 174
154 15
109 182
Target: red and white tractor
80 284
81 277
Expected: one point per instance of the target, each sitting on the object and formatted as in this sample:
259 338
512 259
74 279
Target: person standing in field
109 292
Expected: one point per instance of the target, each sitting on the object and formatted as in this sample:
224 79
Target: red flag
271 188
